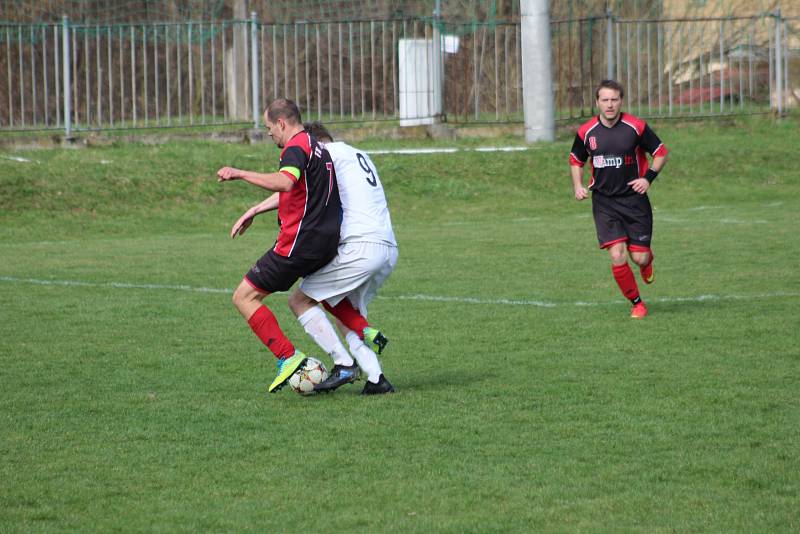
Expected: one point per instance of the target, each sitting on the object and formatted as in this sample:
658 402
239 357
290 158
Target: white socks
366 359
317 325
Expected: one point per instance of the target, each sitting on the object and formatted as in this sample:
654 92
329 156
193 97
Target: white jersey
366 214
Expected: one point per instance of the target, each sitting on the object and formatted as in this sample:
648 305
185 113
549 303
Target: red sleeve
652 143
578 155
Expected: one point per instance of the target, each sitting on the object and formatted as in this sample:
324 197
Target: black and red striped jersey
616 155
310 213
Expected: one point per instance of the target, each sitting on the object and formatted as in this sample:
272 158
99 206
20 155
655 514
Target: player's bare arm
581 192
244 222
659 162
274 181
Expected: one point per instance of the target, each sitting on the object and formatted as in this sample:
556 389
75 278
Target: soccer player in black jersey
309 214
616 145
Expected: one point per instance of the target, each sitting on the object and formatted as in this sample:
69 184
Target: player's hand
242 224
228 173
581 193
640 185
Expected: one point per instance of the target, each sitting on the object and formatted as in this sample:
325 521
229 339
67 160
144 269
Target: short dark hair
610 84
318 130
283 108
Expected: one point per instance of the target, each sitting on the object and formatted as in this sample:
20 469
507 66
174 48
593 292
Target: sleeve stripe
574 161
292 172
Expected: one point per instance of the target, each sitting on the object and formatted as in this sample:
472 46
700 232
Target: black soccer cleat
340 375
383 386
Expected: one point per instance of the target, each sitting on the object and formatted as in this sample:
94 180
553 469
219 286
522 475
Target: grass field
134 396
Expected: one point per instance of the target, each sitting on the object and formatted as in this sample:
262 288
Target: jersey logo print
600 162
593 143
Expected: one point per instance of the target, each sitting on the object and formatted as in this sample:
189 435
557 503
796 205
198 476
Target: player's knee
236 299
640 258
299 302
294 301
618 257
241 296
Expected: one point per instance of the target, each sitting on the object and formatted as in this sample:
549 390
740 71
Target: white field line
740 221
448 150
406 151
417 297
546 304
161 237
703 208
113 285
18 159
503 149
440 150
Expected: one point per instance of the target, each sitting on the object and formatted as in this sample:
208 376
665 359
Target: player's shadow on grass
442 379
689 307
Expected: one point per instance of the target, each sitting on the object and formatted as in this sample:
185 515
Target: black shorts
273 272
625 218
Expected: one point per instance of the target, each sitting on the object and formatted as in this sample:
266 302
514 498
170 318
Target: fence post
786 76
254 72
778 62
67 78
609 45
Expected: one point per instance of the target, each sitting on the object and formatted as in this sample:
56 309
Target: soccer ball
306 377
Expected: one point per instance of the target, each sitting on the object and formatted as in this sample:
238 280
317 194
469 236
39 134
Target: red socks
265 326
345 312
626 281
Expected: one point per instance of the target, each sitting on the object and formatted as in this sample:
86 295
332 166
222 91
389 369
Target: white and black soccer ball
307 376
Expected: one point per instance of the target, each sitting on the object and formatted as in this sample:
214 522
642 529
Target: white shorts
357 272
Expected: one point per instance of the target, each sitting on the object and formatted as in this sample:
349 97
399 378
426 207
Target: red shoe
639 311
648 276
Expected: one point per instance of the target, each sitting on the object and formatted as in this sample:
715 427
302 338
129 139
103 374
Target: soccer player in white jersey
366 257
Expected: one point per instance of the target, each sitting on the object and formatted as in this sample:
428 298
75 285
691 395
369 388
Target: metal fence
76 77
683 67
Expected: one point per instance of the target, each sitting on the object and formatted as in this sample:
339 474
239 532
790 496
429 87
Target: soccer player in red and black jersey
309 215
616 145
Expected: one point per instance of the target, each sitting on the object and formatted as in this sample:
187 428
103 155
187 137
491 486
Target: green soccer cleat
374 339
286 368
